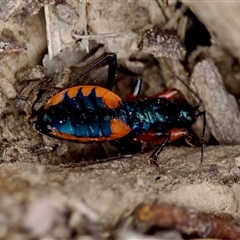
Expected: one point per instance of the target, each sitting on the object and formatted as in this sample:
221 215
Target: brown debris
162 44
20 9
9 46
187 221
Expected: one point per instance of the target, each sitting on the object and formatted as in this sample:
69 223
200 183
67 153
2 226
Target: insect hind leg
95 161
111 59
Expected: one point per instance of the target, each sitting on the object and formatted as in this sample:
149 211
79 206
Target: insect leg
203 132
158 150
136 87
112 63
158 136
96 161
162 138
133 95
171 95
112 69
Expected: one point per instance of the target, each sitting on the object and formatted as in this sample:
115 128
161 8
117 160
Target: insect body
92 114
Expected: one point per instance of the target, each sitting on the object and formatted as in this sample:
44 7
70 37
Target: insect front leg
163 137
160 137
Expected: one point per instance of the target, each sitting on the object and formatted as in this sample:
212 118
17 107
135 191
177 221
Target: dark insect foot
153 162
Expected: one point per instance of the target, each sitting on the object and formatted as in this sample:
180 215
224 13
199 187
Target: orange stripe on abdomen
109 99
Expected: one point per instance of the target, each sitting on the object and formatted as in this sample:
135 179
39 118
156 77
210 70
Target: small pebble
235 171
237 161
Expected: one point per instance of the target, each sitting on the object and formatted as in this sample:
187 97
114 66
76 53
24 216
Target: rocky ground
46 43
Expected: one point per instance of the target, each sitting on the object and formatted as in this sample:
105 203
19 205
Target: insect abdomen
83 114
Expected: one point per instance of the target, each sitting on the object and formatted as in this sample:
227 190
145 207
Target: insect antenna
203 132
200 103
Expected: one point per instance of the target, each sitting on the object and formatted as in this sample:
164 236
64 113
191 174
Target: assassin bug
93 114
